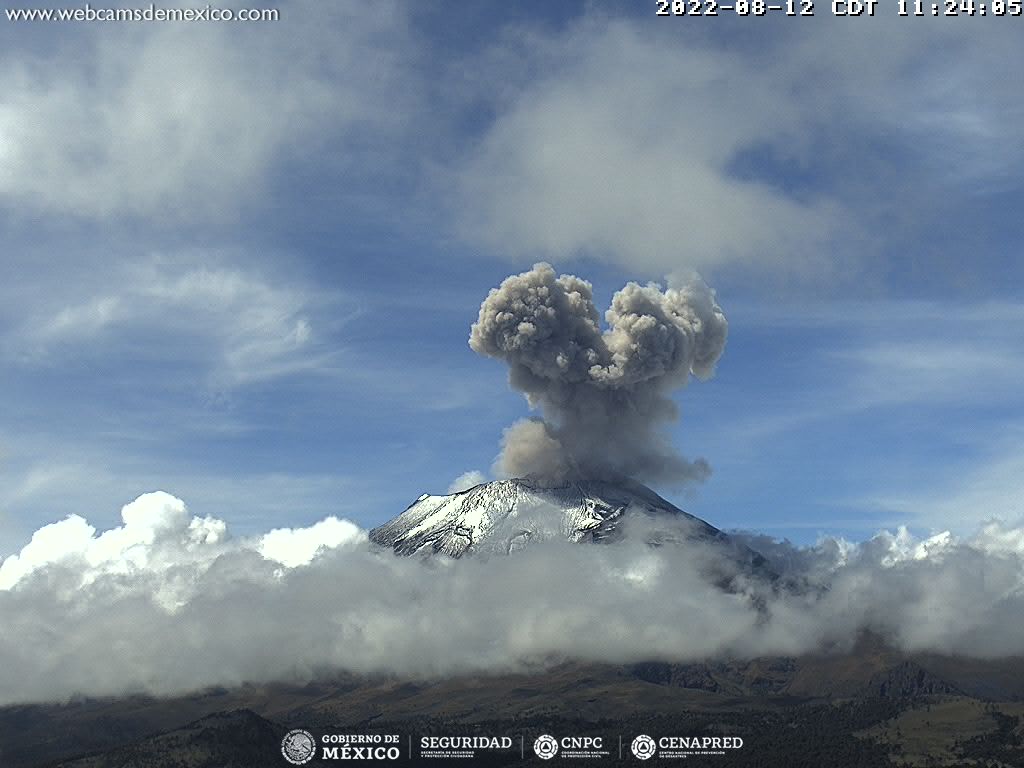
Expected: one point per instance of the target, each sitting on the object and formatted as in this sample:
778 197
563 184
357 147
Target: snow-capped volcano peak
503 515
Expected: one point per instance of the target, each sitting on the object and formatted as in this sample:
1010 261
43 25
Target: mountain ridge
243 725
503 516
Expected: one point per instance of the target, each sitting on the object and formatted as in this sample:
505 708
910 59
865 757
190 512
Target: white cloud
467 480
622 150
51 543
185 121
235 322
870 356
50 476
971 355
665 149
150 523
930 354
83 319
299 546
963 495
188 606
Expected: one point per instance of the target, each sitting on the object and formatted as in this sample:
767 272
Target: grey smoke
603 395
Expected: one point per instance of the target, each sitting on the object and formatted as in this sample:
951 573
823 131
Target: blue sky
239 262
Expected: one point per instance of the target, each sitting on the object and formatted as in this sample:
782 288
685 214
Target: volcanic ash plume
602 394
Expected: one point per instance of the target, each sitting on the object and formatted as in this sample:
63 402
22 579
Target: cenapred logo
545 747
643 747
298 746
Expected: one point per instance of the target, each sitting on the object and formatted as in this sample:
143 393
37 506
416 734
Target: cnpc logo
547 746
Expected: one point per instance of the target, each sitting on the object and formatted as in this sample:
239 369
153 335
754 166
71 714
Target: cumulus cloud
602 394
186 605
159 538
299 546
157 534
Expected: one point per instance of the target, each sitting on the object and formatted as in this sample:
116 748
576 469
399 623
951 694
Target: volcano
504 516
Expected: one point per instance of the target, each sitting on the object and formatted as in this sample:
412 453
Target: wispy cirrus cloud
859 356
981 485
866 413
199 310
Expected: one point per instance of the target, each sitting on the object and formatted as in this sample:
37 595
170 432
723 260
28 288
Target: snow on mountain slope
504 515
